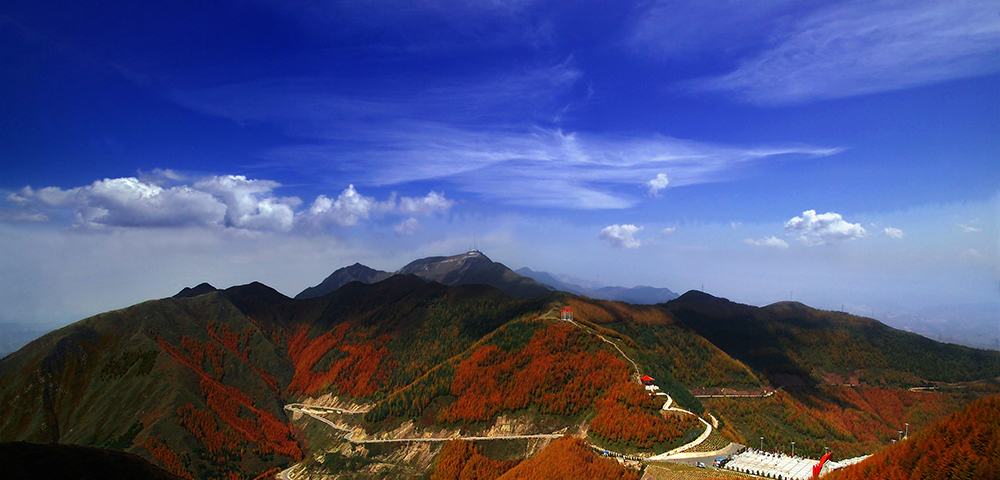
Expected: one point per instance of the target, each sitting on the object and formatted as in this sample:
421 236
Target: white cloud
248 205
621 235
854 48
127 202
346 210
893 233
773 242
669 230
659 183
424 205
407 227
969 228
827 228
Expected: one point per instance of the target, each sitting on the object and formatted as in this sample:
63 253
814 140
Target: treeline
627 414
965 445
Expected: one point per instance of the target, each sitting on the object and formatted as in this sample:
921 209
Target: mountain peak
201 289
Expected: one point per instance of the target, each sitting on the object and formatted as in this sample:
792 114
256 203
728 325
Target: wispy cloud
856 47
621 235
492 137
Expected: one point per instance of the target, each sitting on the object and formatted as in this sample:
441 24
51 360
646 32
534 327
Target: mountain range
198 383
476 268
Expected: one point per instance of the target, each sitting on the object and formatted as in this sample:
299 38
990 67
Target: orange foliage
161 452
569 457
604 311
357 374
554 371
627 413
966 444
232 406
461 460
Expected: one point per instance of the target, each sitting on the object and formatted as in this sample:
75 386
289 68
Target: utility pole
793 449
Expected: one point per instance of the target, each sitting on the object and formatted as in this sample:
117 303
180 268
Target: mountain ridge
638 295
472 267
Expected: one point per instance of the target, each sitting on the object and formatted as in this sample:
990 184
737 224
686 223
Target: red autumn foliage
569 457
357 373
964 445
555 371
462 460
161 452
233 407
627 413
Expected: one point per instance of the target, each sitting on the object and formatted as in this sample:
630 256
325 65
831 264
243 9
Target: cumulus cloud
827 228
621 235
127 202
346 210
659 183
773 242
248 204
893 233
407 227
669 230
424 205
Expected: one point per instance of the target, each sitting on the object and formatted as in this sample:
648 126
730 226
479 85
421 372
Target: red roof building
566 314
647 380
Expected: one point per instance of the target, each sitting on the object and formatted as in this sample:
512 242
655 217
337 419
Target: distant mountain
201 289
640 295
343 276
793 344
475 268
466 269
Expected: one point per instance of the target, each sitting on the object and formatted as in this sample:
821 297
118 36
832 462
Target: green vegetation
790 343
119 365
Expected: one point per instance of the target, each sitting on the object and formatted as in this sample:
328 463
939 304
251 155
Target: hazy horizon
840 154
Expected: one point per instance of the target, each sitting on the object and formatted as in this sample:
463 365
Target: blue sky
839 153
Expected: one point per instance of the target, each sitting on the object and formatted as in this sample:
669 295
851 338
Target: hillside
789 343
966 444
198 383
